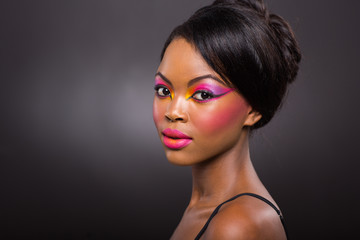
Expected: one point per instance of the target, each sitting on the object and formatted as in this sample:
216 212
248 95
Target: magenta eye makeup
201 92
206 92
162 89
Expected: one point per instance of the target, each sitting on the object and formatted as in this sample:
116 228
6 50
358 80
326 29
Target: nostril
169 118
176 117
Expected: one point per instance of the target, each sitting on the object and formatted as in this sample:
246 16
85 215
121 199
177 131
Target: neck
224 176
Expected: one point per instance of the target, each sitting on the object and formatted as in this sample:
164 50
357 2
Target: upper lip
173 133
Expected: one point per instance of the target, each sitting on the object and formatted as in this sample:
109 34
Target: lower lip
176 143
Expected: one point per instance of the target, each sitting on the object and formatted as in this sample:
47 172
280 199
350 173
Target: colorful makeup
215 120
212 128
206 92
174 139
162 89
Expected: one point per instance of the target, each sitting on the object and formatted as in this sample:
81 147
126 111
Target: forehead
182 61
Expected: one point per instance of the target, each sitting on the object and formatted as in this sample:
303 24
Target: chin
179 158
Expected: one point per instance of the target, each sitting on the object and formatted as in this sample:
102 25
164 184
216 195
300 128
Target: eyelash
158 87
209 93
210 96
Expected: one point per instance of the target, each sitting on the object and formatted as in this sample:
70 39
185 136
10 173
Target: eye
162 91
202 95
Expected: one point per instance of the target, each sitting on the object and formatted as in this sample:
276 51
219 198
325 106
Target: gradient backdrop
79 155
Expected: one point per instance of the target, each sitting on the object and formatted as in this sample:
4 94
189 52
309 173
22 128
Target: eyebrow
192 81
164 78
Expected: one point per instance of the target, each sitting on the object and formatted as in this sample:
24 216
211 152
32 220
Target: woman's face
197 115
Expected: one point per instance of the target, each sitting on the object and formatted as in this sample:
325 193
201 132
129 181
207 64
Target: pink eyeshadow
159 81
215 89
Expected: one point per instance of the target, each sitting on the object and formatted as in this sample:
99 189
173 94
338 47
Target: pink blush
217 119
155 113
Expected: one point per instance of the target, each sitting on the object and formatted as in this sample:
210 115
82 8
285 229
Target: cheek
158 111
220 118
155 112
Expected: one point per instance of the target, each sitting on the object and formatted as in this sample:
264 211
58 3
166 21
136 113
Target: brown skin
219 154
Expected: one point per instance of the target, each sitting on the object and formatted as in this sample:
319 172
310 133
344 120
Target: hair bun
287 44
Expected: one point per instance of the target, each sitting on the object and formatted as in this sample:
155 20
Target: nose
177 110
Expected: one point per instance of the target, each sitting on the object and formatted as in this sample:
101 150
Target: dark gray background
80 158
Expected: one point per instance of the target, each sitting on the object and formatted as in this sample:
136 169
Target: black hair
251 49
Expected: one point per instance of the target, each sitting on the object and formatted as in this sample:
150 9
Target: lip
174 139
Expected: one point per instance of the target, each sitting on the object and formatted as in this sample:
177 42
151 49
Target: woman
222 74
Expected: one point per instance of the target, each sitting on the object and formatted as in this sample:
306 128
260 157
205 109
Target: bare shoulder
246 218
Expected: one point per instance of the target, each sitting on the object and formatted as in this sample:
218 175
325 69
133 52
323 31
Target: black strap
233 198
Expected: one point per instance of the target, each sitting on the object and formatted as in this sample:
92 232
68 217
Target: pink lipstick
174 139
